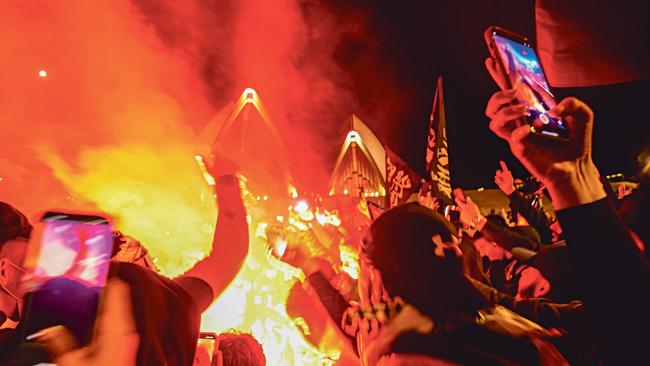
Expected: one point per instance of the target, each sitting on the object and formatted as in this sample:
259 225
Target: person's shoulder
145 282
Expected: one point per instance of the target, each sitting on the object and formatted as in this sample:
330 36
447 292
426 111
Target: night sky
395 56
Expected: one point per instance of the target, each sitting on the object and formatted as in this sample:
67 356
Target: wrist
227 179
508 190
580 185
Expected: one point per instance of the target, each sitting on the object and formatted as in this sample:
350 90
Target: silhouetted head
400 245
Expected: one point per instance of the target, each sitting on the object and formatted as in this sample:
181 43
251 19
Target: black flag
402 182
437 159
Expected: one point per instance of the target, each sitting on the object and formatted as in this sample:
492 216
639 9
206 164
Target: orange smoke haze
127 87
106 127
101 104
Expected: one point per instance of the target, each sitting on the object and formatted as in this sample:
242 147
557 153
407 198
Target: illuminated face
490 249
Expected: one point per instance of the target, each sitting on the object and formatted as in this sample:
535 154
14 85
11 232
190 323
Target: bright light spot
260 232
353 136
334 220
307 215
481 189
279 218
271 273
42 73
265 198
250 93
301 206
345 191
280 247
300 225
321 218
302 324
293 192
350 260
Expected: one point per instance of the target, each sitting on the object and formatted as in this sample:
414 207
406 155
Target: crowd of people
524 289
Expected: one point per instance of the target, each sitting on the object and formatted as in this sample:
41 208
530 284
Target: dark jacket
512 237
613 280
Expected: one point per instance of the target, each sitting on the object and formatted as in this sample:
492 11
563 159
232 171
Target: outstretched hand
504 179
470 213
565 168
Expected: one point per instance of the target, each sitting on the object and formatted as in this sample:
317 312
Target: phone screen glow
527 77
68 275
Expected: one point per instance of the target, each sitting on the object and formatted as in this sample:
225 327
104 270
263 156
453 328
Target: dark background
394 58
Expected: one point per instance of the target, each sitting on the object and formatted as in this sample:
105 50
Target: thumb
578 116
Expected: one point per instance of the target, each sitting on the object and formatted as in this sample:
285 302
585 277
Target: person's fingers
499 100
57 340
495 72
578 117
517 143
471 203
79 357
117 340
458 193
460 201
571 106
504 167
508 119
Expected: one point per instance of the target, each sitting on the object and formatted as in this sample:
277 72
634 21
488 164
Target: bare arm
229 247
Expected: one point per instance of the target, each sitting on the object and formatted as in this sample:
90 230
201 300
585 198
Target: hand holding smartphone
515 57
206 346
67 268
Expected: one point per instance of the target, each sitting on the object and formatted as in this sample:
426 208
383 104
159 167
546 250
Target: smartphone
67 268
205 347
516 57
453 215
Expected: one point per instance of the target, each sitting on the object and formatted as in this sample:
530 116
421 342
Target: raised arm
540 310
536 217
470 216
229 245
611 273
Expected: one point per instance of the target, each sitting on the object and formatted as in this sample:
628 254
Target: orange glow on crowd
118 130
